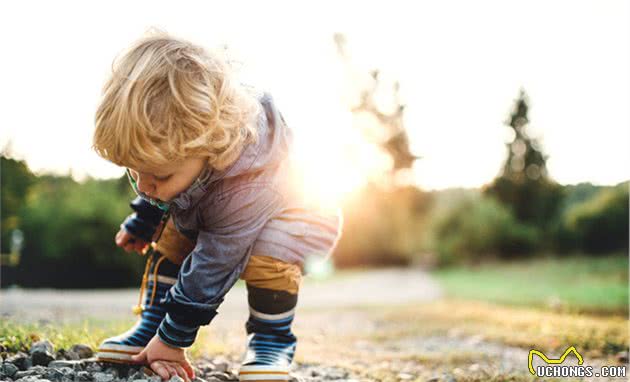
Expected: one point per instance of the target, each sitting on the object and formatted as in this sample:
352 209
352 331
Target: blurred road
364 288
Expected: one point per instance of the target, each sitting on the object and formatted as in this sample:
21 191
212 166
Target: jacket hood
274 139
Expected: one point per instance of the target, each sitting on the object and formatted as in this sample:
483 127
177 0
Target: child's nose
144 184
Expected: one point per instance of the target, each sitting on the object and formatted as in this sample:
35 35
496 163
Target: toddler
209 160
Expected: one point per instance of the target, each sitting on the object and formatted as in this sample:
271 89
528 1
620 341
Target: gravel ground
43 364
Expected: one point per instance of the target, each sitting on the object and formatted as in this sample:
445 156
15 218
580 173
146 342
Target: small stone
42 352
93 367
84 351
336 374
32 378
84 376
60 354
622 356
405 376
474 367
9 369
54 375
221 366
74 365
20 359
42 346
72 355
206 367
103 377
35 370
176 378
220 375
139 380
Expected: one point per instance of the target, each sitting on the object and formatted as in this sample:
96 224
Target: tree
392 135
524 183
14 185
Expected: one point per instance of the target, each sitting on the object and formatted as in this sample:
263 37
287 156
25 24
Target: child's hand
165 360
128 242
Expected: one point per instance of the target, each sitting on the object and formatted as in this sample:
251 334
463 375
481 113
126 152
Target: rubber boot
270 343
160 274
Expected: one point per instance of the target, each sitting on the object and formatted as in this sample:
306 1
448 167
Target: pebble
42 353
103 377
221 366
35 370
9 369
83 351
42 346
32 378
21 360
74 365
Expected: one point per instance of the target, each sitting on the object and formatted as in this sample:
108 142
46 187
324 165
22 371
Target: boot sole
117 353
263 374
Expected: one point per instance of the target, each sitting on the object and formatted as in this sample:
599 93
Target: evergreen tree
524 183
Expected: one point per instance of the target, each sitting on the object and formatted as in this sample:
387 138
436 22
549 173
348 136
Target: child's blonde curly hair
168 99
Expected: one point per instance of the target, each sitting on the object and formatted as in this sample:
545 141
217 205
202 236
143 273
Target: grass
587 284
528 328
16 336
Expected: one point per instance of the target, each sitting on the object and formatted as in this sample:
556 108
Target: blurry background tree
524 185
383 224
68 228
15 182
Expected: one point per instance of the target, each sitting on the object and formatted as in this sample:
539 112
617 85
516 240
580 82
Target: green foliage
598 224
478 227
69 229
17 336
14 185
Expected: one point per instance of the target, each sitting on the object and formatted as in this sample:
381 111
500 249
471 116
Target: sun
329 171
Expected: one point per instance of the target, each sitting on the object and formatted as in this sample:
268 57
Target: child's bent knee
270 273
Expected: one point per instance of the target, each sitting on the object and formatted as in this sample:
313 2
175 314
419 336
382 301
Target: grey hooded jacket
249 208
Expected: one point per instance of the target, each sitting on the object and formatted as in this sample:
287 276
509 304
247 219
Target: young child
209 159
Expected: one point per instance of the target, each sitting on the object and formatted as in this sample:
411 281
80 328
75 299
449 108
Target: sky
460 65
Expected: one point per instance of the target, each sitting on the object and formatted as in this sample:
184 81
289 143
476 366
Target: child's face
166 182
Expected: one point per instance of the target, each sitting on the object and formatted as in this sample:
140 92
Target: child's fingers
119 238
140 245
172 371
189 369
161 370
181 372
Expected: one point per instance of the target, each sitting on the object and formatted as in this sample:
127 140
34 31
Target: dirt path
389 286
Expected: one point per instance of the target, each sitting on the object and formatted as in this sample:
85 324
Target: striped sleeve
176 334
